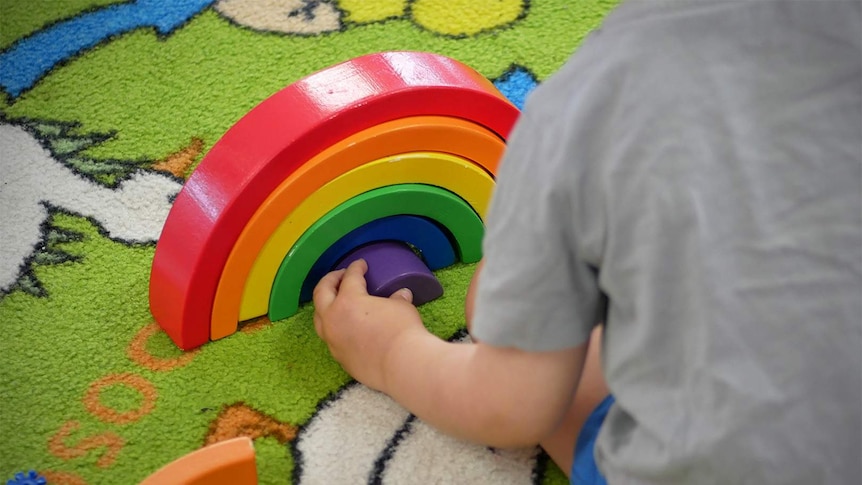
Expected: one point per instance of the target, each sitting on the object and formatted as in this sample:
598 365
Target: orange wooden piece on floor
229 462
430 133
276 138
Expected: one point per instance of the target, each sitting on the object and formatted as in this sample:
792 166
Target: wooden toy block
446 135
435 203
455 174
276 138
392 266
229 462
425 236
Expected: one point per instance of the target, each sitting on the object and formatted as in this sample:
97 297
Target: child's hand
360 329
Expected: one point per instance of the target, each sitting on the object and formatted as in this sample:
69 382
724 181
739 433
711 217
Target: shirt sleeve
535 293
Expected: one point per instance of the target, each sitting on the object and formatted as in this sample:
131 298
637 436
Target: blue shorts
584 469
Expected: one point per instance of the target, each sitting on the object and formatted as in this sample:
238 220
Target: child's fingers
353 282
403 294
327 289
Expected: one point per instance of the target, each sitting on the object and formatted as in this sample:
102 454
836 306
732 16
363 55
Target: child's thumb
404 294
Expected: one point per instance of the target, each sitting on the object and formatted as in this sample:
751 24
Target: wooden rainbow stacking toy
394 146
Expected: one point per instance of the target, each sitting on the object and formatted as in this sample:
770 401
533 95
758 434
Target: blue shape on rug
516 84
29 478
31 58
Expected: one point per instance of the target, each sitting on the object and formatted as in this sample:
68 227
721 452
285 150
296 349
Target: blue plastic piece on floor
29 478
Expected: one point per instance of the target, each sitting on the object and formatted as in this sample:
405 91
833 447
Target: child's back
714 154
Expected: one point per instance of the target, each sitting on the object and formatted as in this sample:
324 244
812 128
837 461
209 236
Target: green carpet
106 108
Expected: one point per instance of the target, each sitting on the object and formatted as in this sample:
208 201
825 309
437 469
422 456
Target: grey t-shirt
692 177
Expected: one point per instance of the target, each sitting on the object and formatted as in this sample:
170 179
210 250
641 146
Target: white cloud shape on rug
363 436
133 212
426 455
307 17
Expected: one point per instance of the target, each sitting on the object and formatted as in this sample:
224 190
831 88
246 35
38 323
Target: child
692 178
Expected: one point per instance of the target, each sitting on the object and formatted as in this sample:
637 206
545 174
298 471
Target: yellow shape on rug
308 17
466 17
363 11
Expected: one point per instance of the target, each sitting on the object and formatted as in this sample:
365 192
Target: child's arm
495 396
